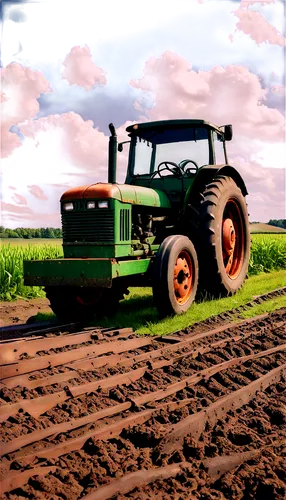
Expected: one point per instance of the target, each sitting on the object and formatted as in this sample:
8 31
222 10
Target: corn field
11 270
268 253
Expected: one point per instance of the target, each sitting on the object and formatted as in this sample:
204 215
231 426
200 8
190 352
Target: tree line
28 233
56 232
278 223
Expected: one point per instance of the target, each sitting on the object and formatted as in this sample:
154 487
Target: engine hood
136 195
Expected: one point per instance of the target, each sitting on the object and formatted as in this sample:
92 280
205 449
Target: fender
204 177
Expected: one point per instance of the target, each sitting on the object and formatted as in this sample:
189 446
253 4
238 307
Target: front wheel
70 303
175 275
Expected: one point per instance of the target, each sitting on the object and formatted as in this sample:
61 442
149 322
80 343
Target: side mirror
228 132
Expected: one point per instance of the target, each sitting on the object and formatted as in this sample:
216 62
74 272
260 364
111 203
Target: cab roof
172 130
172 124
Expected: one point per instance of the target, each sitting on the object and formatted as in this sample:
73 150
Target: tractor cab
167 155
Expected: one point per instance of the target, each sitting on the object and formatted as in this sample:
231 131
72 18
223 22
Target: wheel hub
183 278
229 236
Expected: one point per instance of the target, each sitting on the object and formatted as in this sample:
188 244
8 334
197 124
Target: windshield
148 155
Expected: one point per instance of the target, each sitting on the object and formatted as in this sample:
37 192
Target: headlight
68 206
91 204
103 204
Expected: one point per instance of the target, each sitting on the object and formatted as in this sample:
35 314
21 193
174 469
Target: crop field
268 253
260 227
11 268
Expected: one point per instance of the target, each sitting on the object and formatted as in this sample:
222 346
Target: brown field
196 415
265 228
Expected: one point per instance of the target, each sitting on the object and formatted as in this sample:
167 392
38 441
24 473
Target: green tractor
179 223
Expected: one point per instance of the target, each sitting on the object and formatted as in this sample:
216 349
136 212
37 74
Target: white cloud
225 37
269 155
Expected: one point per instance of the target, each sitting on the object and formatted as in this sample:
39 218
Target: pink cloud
266 188
21 88
85 145
246 3
12 217
80 70
37 192
9 207
13 188
21 200
255 25
222 95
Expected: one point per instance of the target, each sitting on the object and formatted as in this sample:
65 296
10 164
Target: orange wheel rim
183 277
233 239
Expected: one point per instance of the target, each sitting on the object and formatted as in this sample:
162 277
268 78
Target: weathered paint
81 272
136 195
96 250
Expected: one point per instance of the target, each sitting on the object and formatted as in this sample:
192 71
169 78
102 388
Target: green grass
138 310
265 307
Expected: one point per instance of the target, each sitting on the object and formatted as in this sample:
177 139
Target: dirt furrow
151 409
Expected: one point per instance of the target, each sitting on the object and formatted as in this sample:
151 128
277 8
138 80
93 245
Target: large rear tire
175 275
84 303
224 238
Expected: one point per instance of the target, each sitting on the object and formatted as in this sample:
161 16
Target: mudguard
126 193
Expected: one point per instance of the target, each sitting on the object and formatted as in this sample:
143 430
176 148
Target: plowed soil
200 414
18 311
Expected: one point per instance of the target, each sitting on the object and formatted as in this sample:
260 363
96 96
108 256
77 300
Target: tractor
179 224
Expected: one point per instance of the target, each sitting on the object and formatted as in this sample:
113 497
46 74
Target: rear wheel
83 303
175 275
224 244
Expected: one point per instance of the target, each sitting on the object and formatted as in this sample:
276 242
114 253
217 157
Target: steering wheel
174 169
192 170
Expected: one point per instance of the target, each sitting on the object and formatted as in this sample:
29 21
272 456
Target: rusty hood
136 195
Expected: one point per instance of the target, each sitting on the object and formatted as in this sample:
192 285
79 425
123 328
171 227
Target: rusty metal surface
10 352
194 424
17 479
136 479
32 437
112 382
27 366
87 364
31 347
104 433
33 329
40 405
218 466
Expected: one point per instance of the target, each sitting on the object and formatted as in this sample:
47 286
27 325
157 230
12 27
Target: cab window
219 150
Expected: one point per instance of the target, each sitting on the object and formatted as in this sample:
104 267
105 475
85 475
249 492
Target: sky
69 68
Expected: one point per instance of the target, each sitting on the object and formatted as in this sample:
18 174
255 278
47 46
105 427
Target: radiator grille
89 225
124 225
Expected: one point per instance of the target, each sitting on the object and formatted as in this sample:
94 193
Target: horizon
59 227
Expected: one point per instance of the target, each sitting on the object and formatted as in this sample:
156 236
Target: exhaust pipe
112 155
